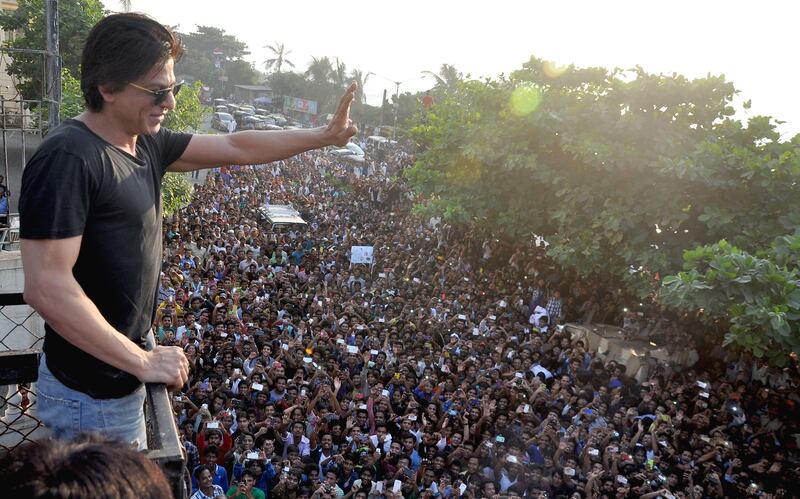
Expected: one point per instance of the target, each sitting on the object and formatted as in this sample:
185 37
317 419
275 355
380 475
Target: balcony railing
19 370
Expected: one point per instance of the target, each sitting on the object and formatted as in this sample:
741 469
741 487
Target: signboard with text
361 254
300 105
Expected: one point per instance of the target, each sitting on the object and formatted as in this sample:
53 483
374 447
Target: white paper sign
361 254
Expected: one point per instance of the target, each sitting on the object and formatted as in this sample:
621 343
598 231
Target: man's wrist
323 137
141 364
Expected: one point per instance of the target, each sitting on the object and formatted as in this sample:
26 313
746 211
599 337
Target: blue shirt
262 483
220 478
297 256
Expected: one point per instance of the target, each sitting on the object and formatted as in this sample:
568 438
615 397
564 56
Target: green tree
319 70
322 76
620 171
361 79
72 103
199 62
279 60
756 295
189 112
446 79
339 74
239 72
289 83
176 191
186 117
76 18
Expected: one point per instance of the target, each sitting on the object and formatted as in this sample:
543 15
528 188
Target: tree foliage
279 59
198 61
188 113
620 171
758 295
76 18
186 117
72 103
176 191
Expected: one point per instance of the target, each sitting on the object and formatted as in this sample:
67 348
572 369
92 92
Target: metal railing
19 425
164 446
9 234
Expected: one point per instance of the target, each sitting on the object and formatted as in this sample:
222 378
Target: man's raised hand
341 128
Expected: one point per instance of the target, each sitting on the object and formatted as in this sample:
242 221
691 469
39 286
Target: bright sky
752 43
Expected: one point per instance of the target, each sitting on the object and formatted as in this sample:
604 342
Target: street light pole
396 107
396 98
53 65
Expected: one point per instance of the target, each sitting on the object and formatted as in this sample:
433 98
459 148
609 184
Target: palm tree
280 52
360 78
339 74
320 70
447 77
321 73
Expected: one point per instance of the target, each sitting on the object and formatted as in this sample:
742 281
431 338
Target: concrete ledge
12 279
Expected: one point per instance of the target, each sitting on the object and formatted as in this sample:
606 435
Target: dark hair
211 468
88 466
122 48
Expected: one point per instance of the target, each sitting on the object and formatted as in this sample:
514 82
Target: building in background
7 88
249 93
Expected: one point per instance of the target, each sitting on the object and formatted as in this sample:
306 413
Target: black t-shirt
78 184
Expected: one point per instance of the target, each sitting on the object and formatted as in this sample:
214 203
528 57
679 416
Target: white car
350 149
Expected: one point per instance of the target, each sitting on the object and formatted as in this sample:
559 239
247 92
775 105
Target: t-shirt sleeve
171 146
55 196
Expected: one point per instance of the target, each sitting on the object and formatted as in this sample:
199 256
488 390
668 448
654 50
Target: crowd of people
440 370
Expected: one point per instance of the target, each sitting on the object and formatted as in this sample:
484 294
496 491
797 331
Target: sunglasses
161 95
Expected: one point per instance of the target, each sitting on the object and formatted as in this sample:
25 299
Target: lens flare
553 70
524 100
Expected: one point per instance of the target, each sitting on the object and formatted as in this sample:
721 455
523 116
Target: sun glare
553 70
524 100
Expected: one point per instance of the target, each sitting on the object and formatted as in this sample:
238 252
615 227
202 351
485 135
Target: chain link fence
21 336
19 424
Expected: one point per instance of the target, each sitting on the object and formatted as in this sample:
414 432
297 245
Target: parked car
252 123
279 120
248 109
239 117
219 121
221 109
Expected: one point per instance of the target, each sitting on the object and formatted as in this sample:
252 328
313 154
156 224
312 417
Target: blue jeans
67 412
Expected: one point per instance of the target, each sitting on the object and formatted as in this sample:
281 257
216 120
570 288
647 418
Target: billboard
299 105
